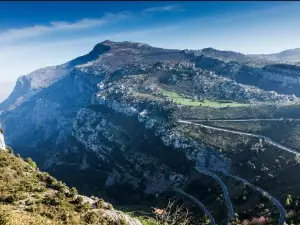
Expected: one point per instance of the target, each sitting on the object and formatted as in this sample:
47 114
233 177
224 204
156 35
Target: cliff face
2 141
111 116
49 109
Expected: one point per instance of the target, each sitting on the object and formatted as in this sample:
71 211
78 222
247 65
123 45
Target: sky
39 34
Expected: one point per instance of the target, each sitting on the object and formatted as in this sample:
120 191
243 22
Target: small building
2 142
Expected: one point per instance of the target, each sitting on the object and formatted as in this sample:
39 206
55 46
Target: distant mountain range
291 55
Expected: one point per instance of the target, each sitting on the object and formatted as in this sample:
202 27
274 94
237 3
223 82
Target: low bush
91 217
31 162
9 149
100 204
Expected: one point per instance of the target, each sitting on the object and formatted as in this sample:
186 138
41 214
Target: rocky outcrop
2 142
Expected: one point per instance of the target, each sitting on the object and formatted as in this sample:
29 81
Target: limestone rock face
2 142
106 113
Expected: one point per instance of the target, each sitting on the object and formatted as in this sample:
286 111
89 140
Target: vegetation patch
28 196
189 101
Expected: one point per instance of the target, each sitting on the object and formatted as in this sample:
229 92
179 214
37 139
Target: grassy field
188 101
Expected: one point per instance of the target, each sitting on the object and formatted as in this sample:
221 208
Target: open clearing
186 100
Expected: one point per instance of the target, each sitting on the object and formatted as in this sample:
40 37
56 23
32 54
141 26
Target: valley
132 124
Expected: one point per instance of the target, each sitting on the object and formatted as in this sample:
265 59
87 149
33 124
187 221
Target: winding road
267 139
230 211
245 120
197 202
281 209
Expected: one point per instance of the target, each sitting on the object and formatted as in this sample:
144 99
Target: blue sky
39 34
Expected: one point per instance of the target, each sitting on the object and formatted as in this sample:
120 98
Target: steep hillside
129 122
28 196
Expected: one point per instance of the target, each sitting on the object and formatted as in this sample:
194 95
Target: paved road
267 139
281 209
246 120
274 200
197 202
230 212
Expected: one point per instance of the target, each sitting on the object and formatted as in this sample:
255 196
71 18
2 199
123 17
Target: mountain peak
209 49
100 48
125 44
107 42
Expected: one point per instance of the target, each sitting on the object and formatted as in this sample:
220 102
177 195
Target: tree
172 215
288 200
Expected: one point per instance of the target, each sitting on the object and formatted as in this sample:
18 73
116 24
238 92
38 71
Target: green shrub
31 208
11 198
51 200
49 215
73 192
49 181
64 216
288 200
29 202
10 150
84 207
109 206
100 204
59 186
78 200
31 162
122 221
4 218
91 217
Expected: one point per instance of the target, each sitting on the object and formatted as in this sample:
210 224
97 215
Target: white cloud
15 35
253 14
19 57
57 26
166 8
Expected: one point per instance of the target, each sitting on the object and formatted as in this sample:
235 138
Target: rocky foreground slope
107 123
28 196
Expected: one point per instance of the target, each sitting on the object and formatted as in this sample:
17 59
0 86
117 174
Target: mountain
29 196
290 55
130 122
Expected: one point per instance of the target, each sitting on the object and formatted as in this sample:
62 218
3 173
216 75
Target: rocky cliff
111 116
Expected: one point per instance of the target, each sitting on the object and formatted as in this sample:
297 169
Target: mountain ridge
289 55
111 117
105 46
